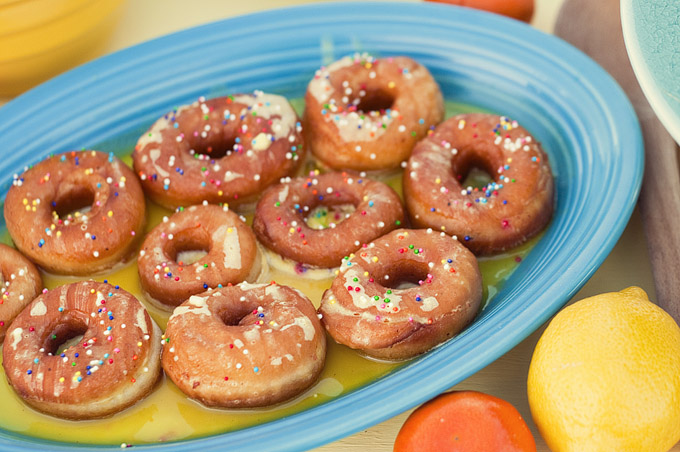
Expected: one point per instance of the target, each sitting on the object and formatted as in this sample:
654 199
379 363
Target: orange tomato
465 421
518 9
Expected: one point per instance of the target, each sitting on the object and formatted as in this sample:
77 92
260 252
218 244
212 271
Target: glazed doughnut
226 149
76 213
244 346
232 254
280 217
113 365
369 306
21 283
364 113
514 206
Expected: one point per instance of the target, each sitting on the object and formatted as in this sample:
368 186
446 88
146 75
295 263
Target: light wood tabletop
627 265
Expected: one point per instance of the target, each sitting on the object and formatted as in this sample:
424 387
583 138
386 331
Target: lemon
605 376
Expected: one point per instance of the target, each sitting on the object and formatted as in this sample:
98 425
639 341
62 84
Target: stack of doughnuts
402 277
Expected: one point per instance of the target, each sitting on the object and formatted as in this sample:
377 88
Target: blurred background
43 38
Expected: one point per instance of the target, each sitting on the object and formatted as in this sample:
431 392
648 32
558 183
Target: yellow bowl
41 38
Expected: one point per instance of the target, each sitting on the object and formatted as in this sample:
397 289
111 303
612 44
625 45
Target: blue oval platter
571 105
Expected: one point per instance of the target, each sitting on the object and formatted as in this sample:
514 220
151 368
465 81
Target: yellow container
42 38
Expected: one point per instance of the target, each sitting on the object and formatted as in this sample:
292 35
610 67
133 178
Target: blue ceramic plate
571 105
651 31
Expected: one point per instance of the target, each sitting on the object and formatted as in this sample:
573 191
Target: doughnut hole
188 246
377 99
240 315
477 178
216 148
327 212
68 332
209 136
403 275
470 170
73 199
328 216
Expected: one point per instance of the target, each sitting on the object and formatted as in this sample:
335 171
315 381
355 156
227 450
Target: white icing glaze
38 309
154 135
155 154
337 308
196 305
62 297
100 298
320 87
141 321
231 175
428 304
363 301
262 141
305 324
16 336
283 194
269 105
228 237
274 291
245 286
364 126
252 334
58 389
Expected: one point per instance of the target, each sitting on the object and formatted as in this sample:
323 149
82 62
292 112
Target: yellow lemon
605 376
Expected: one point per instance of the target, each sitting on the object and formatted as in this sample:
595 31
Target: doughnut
21 283
515 205
246 345
114 364
221 150
402 294
371 209
232 254
76 213
366 114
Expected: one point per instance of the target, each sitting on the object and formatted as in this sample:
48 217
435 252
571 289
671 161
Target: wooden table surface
627 265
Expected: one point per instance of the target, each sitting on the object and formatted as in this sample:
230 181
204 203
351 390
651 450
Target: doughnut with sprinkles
403 294
515 205
364 113
231 254
113 365
246 345
347 210
221 150
76 213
